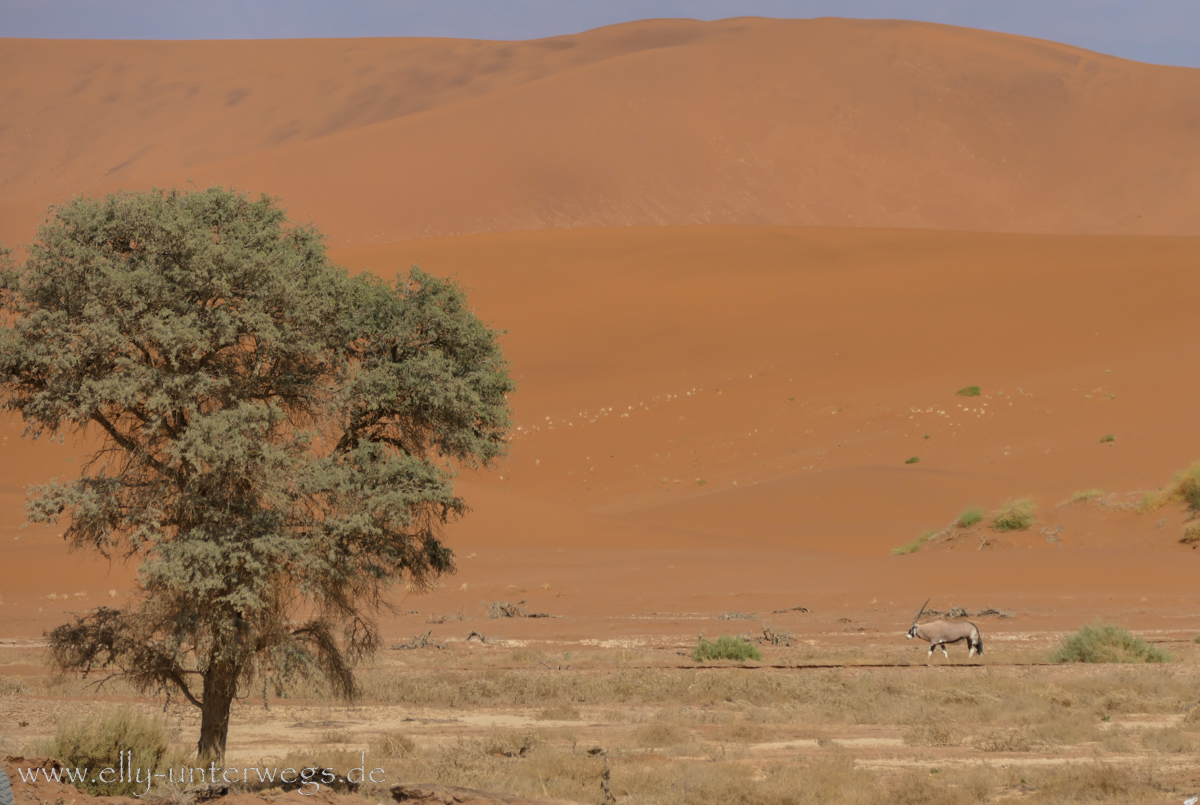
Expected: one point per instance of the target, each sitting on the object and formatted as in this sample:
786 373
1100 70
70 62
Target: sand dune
746 121
724 410
742 402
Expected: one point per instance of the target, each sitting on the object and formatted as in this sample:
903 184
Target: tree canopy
277 440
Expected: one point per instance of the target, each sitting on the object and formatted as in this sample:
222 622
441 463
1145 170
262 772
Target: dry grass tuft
972 515
1171 740
935 732
917 544
393 745
559 712
1084 495
661 735
1008 740
1014 515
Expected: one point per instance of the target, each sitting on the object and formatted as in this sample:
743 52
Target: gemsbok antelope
939 633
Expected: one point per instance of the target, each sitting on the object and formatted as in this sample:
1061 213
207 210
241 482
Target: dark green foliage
913 460
726 647
278 438
1106 642
969 391
1108 438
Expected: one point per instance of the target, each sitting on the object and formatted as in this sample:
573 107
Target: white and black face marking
912 632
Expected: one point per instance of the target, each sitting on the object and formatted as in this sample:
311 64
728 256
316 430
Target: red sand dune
747 121
713 417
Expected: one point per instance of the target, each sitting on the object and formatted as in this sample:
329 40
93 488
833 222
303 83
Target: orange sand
713 417
746 121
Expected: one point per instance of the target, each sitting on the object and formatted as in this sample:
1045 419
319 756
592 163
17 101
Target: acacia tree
276 440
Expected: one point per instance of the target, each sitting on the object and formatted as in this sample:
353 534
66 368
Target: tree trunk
220 686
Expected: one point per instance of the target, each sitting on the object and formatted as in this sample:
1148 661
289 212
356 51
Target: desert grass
1191 533
1014 515
1084 495
1106 642
97 743
688 735
916 545
1183 488
972 515
725 647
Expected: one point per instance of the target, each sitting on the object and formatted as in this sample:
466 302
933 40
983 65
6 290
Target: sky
1158 31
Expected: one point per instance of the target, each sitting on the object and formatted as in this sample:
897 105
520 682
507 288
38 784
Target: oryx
939 633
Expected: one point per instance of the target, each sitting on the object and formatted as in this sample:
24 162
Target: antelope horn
922 612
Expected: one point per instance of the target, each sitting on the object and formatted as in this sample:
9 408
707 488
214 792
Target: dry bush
1087 782
393 745
13 686
742 731
1191 533
829 780
335 737
1008 740
932 733
1065 729
919 787
1170 739
661 735
559 712
510 744
97 743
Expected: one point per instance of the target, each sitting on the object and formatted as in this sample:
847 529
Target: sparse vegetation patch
1106 642
972 515
725 647
98 743
916 544
968 391
1015 515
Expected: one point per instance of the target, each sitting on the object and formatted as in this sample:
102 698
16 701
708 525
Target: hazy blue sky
1162 31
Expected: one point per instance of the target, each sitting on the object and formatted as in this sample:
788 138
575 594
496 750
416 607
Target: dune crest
822 122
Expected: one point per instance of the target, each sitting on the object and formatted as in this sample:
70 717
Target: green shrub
1108 437
913 460
972 515
726 647
1106 642
1084 495
1015 515
968 391
97 744
916 544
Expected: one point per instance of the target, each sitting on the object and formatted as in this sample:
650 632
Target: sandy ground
713 419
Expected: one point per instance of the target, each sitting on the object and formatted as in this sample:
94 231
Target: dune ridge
823 122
